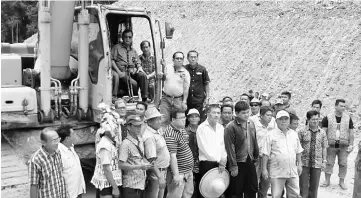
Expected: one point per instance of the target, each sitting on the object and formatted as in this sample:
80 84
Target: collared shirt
313 143
148 63
262 131
177 142
282 148
123 57
72 171
211 143
193 145
225 122
155 147
240 142
45 171
176 82
199 80
132 152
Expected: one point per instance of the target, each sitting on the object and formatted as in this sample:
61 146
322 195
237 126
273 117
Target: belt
171 96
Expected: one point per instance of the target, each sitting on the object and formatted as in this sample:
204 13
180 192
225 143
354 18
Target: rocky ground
312 49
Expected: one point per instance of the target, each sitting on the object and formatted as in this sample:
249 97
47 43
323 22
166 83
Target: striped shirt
132 152
177 142
45 171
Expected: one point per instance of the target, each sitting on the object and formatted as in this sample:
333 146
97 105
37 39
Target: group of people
167 152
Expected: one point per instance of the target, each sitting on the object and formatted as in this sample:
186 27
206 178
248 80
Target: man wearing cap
193 118
340 135
180 176
278 106
255 105
156 152
242 151
199 85
286 97
176 88
283 150
210 139
132 160
226 114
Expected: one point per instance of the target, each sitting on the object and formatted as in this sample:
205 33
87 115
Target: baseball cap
255 100
134 120
282 113
193 111
279 101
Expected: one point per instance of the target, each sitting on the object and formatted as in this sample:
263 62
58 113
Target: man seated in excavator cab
125 61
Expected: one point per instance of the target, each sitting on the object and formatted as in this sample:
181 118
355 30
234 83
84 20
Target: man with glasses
255 105
180 175
199 84
45 168
176 88
125 59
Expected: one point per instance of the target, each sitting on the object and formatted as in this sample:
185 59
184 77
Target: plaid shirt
45 170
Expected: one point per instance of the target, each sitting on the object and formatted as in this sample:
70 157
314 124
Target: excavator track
14 173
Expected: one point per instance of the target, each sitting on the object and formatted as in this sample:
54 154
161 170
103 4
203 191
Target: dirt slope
312 49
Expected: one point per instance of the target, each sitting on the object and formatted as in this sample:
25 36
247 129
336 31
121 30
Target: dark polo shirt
199 80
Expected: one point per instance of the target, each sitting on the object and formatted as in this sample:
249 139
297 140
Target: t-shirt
338 120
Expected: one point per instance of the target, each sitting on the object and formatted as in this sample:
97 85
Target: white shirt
282 148
72 171
211 143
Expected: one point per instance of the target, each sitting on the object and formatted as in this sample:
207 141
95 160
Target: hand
221 168
177 179
184 105
323 166
299 170
265 174
115 192
349 148
146 166
162 182
160 75
234 173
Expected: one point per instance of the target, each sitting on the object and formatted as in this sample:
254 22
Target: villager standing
242 152
357 182
339 128
314 143
283 150
199 84
210 139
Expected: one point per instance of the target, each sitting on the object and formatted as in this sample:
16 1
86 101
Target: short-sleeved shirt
72 171
338 120
177 142
262 131
176 82
199 80
148 63
132 152
45 171
282 148
123 57
156 147
312 143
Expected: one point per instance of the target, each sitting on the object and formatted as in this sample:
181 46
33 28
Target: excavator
64 77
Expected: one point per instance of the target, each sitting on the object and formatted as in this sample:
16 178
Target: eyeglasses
254 105
56 140
178 58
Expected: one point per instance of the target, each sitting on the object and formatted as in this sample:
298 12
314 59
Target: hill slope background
312 49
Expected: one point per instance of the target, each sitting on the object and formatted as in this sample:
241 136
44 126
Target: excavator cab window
96 50
142 34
